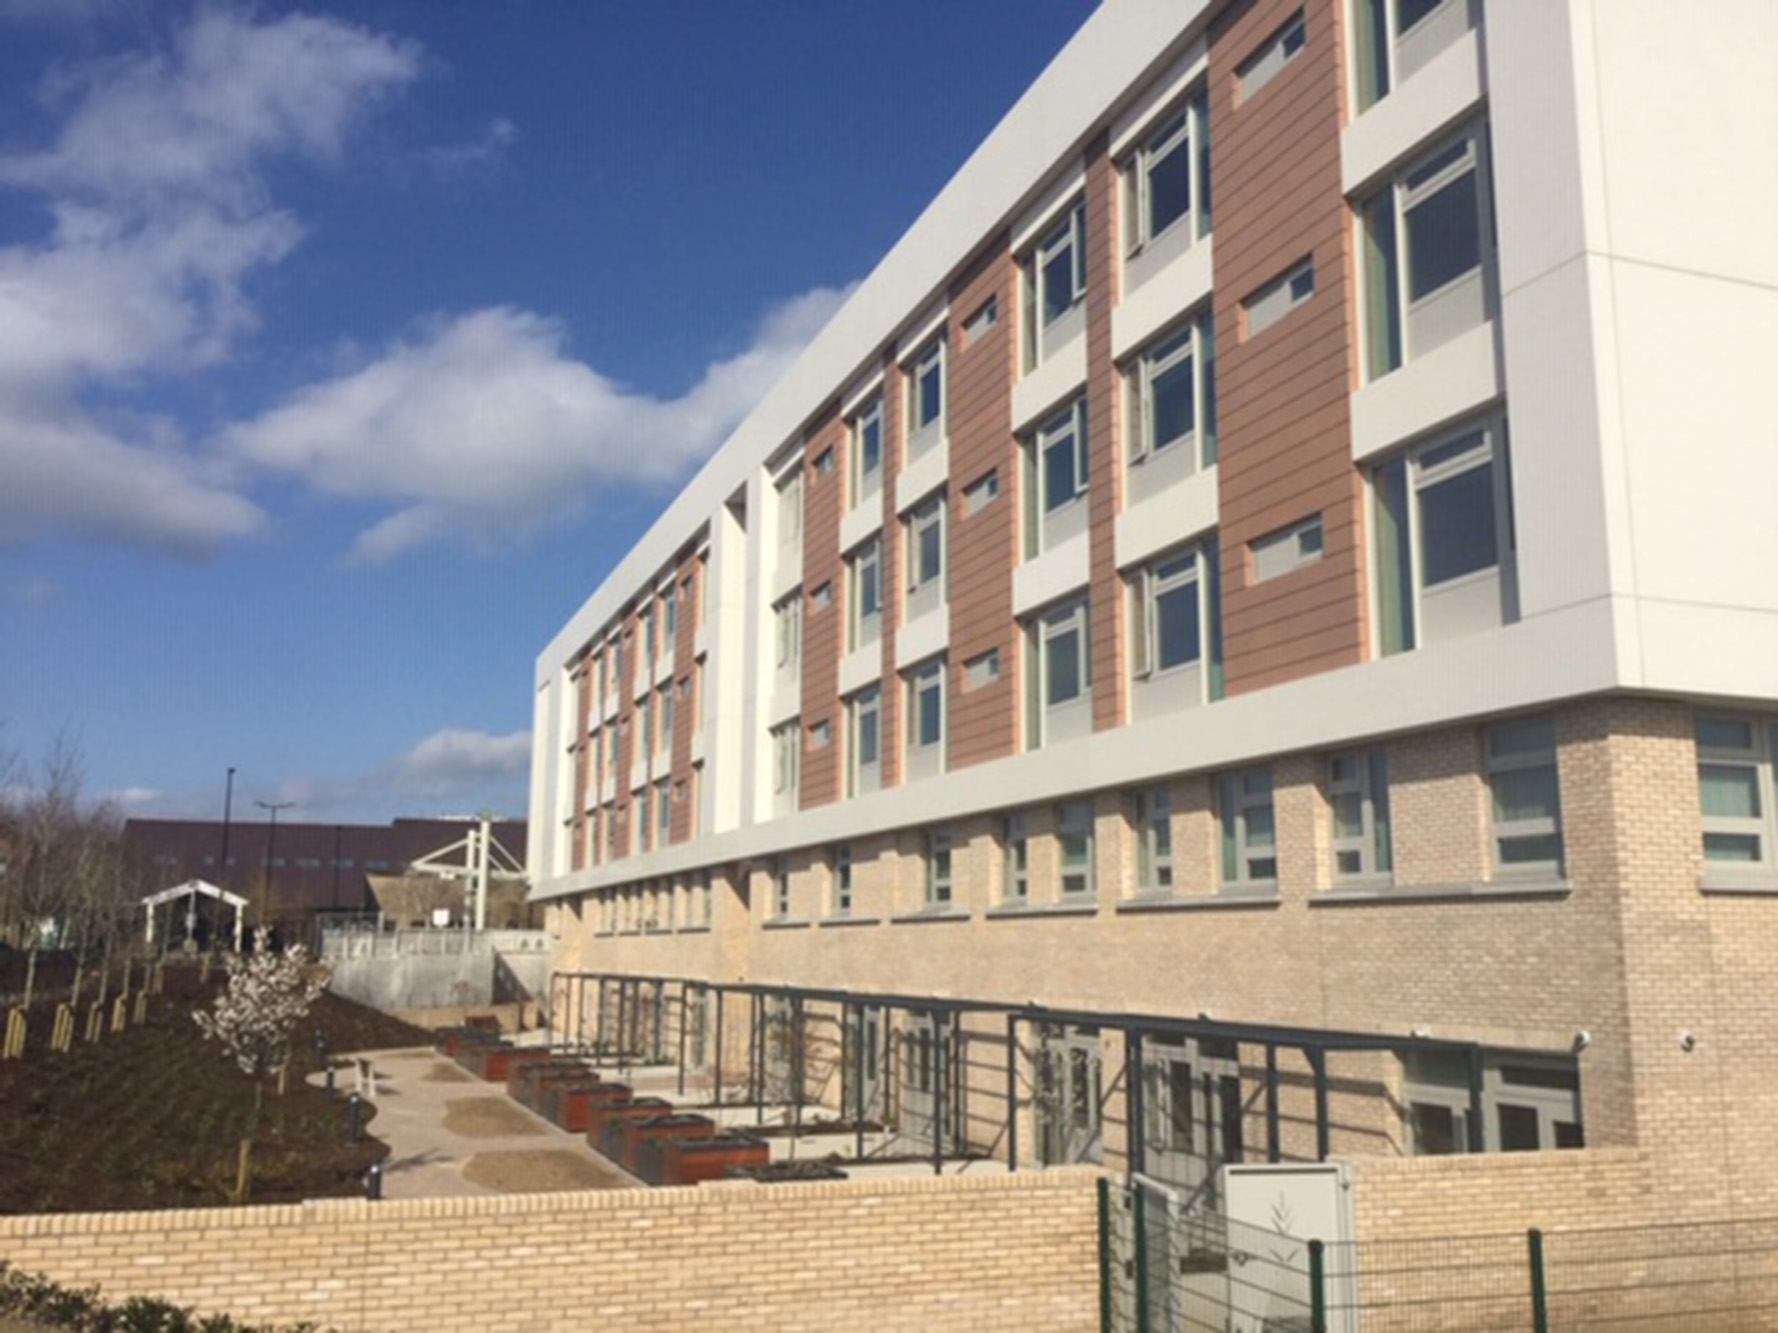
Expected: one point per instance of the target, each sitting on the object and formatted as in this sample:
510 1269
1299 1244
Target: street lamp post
228 805
271 837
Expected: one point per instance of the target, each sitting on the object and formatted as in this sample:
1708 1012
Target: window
865 713
1529 1103
1249 843
1442 538
1074 845
867 452
821 735
1153 811
787 633
1396 38
1278 298
1358 796
1167 183
648 644
1055 280
665 708
824 463
644 729
926 555
780 888
926 718
663 811
1526 792
979 492
1735 791
669 622
822 597
864 570
1426 254
1172 398
1286 550
842 880
1015 840
1061 451
938 868
1059 672
644 834
706 900
977 326
982 670
1175 616
790 511
1269 61
786 765
926 398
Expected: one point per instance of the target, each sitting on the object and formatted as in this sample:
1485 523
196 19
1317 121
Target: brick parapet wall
1414 1198
927 1254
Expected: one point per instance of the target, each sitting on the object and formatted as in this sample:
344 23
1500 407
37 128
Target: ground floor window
1529 1103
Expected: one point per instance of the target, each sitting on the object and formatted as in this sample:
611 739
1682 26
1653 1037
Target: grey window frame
1187 567
781 903
940 871
787 762
1755 760
866 702
1378 38
866 481
1183 128
1245 861
1368 854
1151 815
841 858
1287 550
929 514
787 632
1272 302
1195 342
1015 842
863 626
1447 1093
1505 833
1276 54
933 358
926 688
1074 820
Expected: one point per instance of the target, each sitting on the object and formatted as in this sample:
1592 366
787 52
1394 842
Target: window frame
866 481
1067 230
1274 301
1288 549
1183 127
1376 46
787 633
926 688
1165 574
1192 341
840 862
1502 832
1243 858
1366 782
927 516
865 560
786 740
1385 304
1151 817
930 358
1062 430
1015 845
1073 616
866 702
1272 57
781 903
940 869
1757 757
1074 820
1450 1095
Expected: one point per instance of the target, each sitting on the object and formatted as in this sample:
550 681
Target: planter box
498 1061
691 1161
775 1173
523 1080
563 1102
453 1042
598 1101
617 1141
641 1142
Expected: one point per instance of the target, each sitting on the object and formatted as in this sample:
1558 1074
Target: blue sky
343 349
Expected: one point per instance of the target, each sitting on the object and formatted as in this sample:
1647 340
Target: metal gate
1166 1267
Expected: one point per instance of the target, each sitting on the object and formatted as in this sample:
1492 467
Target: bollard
330 1091
354 1131
373 1184
320 1051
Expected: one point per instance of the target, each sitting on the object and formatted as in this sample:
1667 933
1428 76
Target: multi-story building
1283 545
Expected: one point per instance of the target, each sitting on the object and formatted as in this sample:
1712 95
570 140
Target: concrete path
452 1135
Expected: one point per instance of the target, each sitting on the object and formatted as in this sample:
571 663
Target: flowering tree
254 1018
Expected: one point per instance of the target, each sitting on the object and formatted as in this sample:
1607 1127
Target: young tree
267 995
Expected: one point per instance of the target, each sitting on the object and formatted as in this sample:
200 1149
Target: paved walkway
452 1135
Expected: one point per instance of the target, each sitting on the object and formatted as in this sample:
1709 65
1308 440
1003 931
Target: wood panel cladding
894 573
823 629
1105 601
1284 394
687 572
982 546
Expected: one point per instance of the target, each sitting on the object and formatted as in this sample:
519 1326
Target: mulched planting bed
151 1117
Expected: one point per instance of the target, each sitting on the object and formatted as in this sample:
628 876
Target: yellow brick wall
969 1254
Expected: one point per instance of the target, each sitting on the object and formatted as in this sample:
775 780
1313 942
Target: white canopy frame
191 891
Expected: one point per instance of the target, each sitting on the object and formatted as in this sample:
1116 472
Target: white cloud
482 427
449 761
159 214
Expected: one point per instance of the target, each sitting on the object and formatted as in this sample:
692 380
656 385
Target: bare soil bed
151 1117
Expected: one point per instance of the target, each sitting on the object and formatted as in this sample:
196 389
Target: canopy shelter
191 891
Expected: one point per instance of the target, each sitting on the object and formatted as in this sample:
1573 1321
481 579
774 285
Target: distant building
310 869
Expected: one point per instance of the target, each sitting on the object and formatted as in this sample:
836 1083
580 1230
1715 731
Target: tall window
786 765
644 729
1396 38
1443 539
938 868
1735 787
926 399
1154 840
644 831
1175 621
1427 251
867 452
926 557
1055 281
790 511
663 812
1249 839
842 880
1058 675
1015 843
780 888
1167 183
648 643
1526 797
865 715
669 621
1358 795
1061 449
865 579
1074 845
1172 399
787 632
926 719
1529 1104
